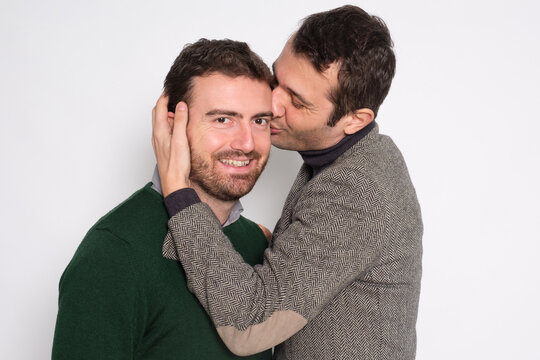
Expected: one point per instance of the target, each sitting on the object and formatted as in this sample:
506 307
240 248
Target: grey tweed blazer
341 279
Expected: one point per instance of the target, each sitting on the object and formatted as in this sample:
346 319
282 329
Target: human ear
358 120
170 119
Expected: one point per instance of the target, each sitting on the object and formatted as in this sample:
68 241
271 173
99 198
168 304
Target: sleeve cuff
179 200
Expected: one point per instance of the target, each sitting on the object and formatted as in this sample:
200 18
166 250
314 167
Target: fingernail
181 106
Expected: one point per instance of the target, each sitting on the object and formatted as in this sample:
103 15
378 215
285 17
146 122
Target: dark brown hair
361 44
228 57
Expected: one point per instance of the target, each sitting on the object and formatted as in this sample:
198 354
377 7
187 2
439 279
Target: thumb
179 140
180 122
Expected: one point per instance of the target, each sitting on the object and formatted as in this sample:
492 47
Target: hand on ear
171 145
170 120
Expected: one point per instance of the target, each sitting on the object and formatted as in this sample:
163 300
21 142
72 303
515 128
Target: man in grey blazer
341 279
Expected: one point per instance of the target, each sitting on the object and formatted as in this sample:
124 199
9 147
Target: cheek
192 134
207 142
263 143
214 144
294 118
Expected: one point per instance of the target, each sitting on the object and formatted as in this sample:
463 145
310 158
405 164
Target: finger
155 106
179 145
177 174
180 124
160 126
161 132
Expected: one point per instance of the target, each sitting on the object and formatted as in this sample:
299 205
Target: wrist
169 190
170 186
179 200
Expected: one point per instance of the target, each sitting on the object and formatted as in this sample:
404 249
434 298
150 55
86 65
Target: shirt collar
234 215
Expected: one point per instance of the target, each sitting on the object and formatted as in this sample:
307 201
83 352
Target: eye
223 120
261 121
296 104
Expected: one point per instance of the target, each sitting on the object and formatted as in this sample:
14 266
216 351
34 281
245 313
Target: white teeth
236 163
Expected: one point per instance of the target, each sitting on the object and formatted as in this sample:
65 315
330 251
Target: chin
283 145
231 190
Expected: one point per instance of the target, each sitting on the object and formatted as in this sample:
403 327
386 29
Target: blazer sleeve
333 237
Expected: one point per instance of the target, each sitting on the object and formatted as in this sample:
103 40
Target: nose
242 139
277 102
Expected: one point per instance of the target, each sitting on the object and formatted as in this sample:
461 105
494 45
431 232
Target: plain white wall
78 81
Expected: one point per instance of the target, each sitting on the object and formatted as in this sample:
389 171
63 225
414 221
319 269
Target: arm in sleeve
332 238
97 301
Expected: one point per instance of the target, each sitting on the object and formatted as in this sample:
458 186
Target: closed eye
296 104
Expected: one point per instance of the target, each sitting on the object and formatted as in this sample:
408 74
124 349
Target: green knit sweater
120 299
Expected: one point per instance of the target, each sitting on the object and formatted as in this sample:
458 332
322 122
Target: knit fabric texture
120 299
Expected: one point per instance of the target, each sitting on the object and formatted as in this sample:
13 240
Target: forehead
217 90
296 72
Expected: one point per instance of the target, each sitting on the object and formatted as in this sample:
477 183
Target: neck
221 208
320 159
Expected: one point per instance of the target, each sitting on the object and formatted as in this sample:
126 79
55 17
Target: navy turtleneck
319 159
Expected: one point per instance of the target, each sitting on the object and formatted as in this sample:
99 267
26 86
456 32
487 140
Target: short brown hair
361 44
228 57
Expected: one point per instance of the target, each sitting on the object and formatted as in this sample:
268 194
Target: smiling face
229 134
301 104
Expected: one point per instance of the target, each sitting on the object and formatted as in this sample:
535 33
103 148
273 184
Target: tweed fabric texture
345 255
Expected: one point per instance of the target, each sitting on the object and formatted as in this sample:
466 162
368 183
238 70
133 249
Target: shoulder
345 178
370 166
101 260
142 213
348 188
109 245
377 155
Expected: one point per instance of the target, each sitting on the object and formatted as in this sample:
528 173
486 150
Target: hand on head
171 145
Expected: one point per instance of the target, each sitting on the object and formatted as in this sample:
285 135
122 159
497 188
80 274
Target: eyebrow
263 114
297 95
236 114
294 93
222 112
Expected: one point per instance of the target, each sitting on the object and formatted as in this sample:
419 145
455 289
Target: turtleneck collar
319 159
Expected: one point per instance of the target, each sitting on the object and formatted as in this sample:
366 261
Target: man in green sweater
119 298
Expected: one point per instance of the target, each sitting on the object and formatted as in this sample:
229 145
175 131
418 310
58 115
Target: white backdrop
78 80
